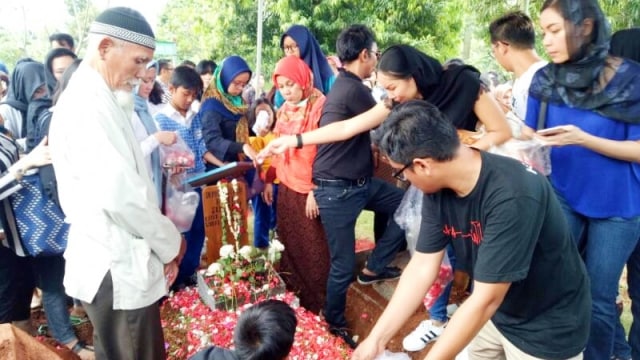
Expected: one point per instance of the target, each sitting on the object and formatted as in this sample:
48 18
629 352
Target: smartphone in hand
551 131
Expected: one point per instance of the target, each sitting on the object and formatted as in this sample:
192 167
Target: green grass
364 225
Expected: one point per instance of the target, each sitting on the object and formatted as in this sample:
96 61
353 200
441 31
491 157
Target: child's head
185 86
265 331
262 104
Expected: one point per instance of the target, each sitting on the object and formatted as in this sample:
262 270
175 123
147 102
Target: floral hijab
590 79
294 118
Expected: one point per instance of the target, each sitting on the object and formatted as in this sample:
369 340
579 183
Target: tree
82 13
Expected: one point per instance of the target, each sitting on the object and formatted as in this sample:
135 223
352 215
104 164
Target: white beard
125 100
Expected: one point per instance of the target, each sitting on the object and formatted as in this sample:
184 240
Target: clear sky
52 15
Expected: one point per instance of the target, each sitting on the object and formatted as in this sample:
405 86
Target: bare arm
337 131
626 150
495 123
469 319
416 279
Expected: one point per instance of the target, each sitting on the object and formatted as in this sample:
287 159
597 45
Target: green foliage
82 13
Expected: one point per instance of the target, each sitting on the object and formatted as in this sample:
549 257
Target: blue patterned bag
40 220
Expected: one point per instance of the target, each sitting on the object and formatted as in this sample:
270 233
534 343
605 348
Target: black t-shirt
350 159
511 228
214 353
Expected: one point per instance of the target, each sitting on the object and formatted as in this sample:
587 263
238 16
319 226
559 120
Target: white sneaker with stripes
425 333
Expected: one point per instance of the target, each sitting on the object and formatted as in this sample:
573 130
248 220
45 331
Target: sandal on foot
80 347
75 320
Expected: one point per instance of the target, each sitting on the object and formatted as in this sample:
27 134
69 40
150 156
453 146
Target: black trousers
16 284
124 334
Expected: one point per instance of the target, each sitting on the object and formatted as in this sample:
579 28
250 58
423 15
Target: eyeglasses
376 53
494 46
290 48
400 173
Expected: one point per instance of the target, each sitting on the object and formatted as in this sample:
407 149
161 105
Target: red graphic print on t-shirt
475 232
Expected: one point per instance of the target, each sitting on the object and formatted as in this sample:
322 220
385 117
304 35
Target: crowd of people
545 253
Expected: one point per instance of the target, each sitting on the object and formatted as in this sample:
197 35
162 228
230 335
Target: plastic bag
531 152
177 155
388 355
409 216
445 276
180 204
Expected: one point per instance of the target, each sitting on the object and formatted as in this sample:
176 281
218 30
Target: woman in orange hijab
305 261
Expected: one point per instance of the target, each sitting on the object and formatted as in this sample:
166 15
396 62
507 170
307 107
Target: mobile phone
551 131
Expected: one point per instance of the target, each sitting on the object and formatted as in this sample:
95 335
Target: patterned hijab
293 118
454 90
217 99
312 54
590 79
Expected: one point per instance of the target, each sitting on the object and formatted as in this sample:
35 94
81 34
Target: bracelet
299 141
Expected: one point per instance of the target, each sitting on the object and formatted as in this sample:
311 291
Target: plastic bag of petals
180 203
177 155
445 276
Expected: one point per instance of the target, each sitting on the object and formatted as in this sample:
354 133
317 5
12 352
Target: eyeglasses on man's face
400 173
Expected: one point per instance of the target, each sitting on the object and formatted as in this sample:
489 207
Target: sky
52 15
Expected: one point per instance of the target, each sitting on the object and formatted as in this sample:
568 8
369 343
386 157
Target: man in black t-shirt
342 172
531 294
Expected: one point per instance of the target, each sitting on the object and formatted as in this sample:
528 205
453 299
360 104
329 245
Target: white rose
276 245
246 252
226 251
213 269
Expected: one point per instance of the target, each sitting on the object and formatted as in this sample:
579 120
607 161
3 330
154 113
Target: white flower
226 251
246 252
213 269
276 245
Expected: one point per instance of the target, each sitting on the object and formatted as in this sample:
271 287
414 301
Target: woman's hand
561 135
267 194
251 154
38 157
166 137
311 209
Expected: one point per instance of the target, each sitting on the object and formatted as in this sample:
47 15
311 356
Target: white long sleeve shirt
108 198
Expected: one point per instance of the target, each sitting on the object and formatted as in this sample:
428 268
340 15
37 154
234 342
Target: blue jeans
633 281
49 274
340 205
605 246
19 276
264 219
438 311
195 240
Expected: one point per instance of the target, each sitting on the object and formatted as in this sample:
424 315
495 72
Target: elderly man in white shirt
122 253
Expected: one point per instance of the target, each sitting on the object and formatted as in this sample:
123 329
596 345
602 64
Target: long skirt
304 266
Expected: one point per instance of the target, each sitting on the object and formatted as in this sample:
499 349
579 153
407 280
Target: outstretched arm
416 279
337 131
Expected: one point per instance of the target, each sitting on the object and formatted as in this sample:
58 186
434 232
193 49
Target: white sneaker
425 333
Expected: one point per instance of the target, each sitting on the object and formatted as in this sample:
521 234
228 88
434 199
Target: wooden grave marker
212 210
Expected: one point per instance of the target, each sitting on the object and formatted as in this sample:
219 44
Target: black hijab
626 43
590 79
454 90
26 79
48 63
